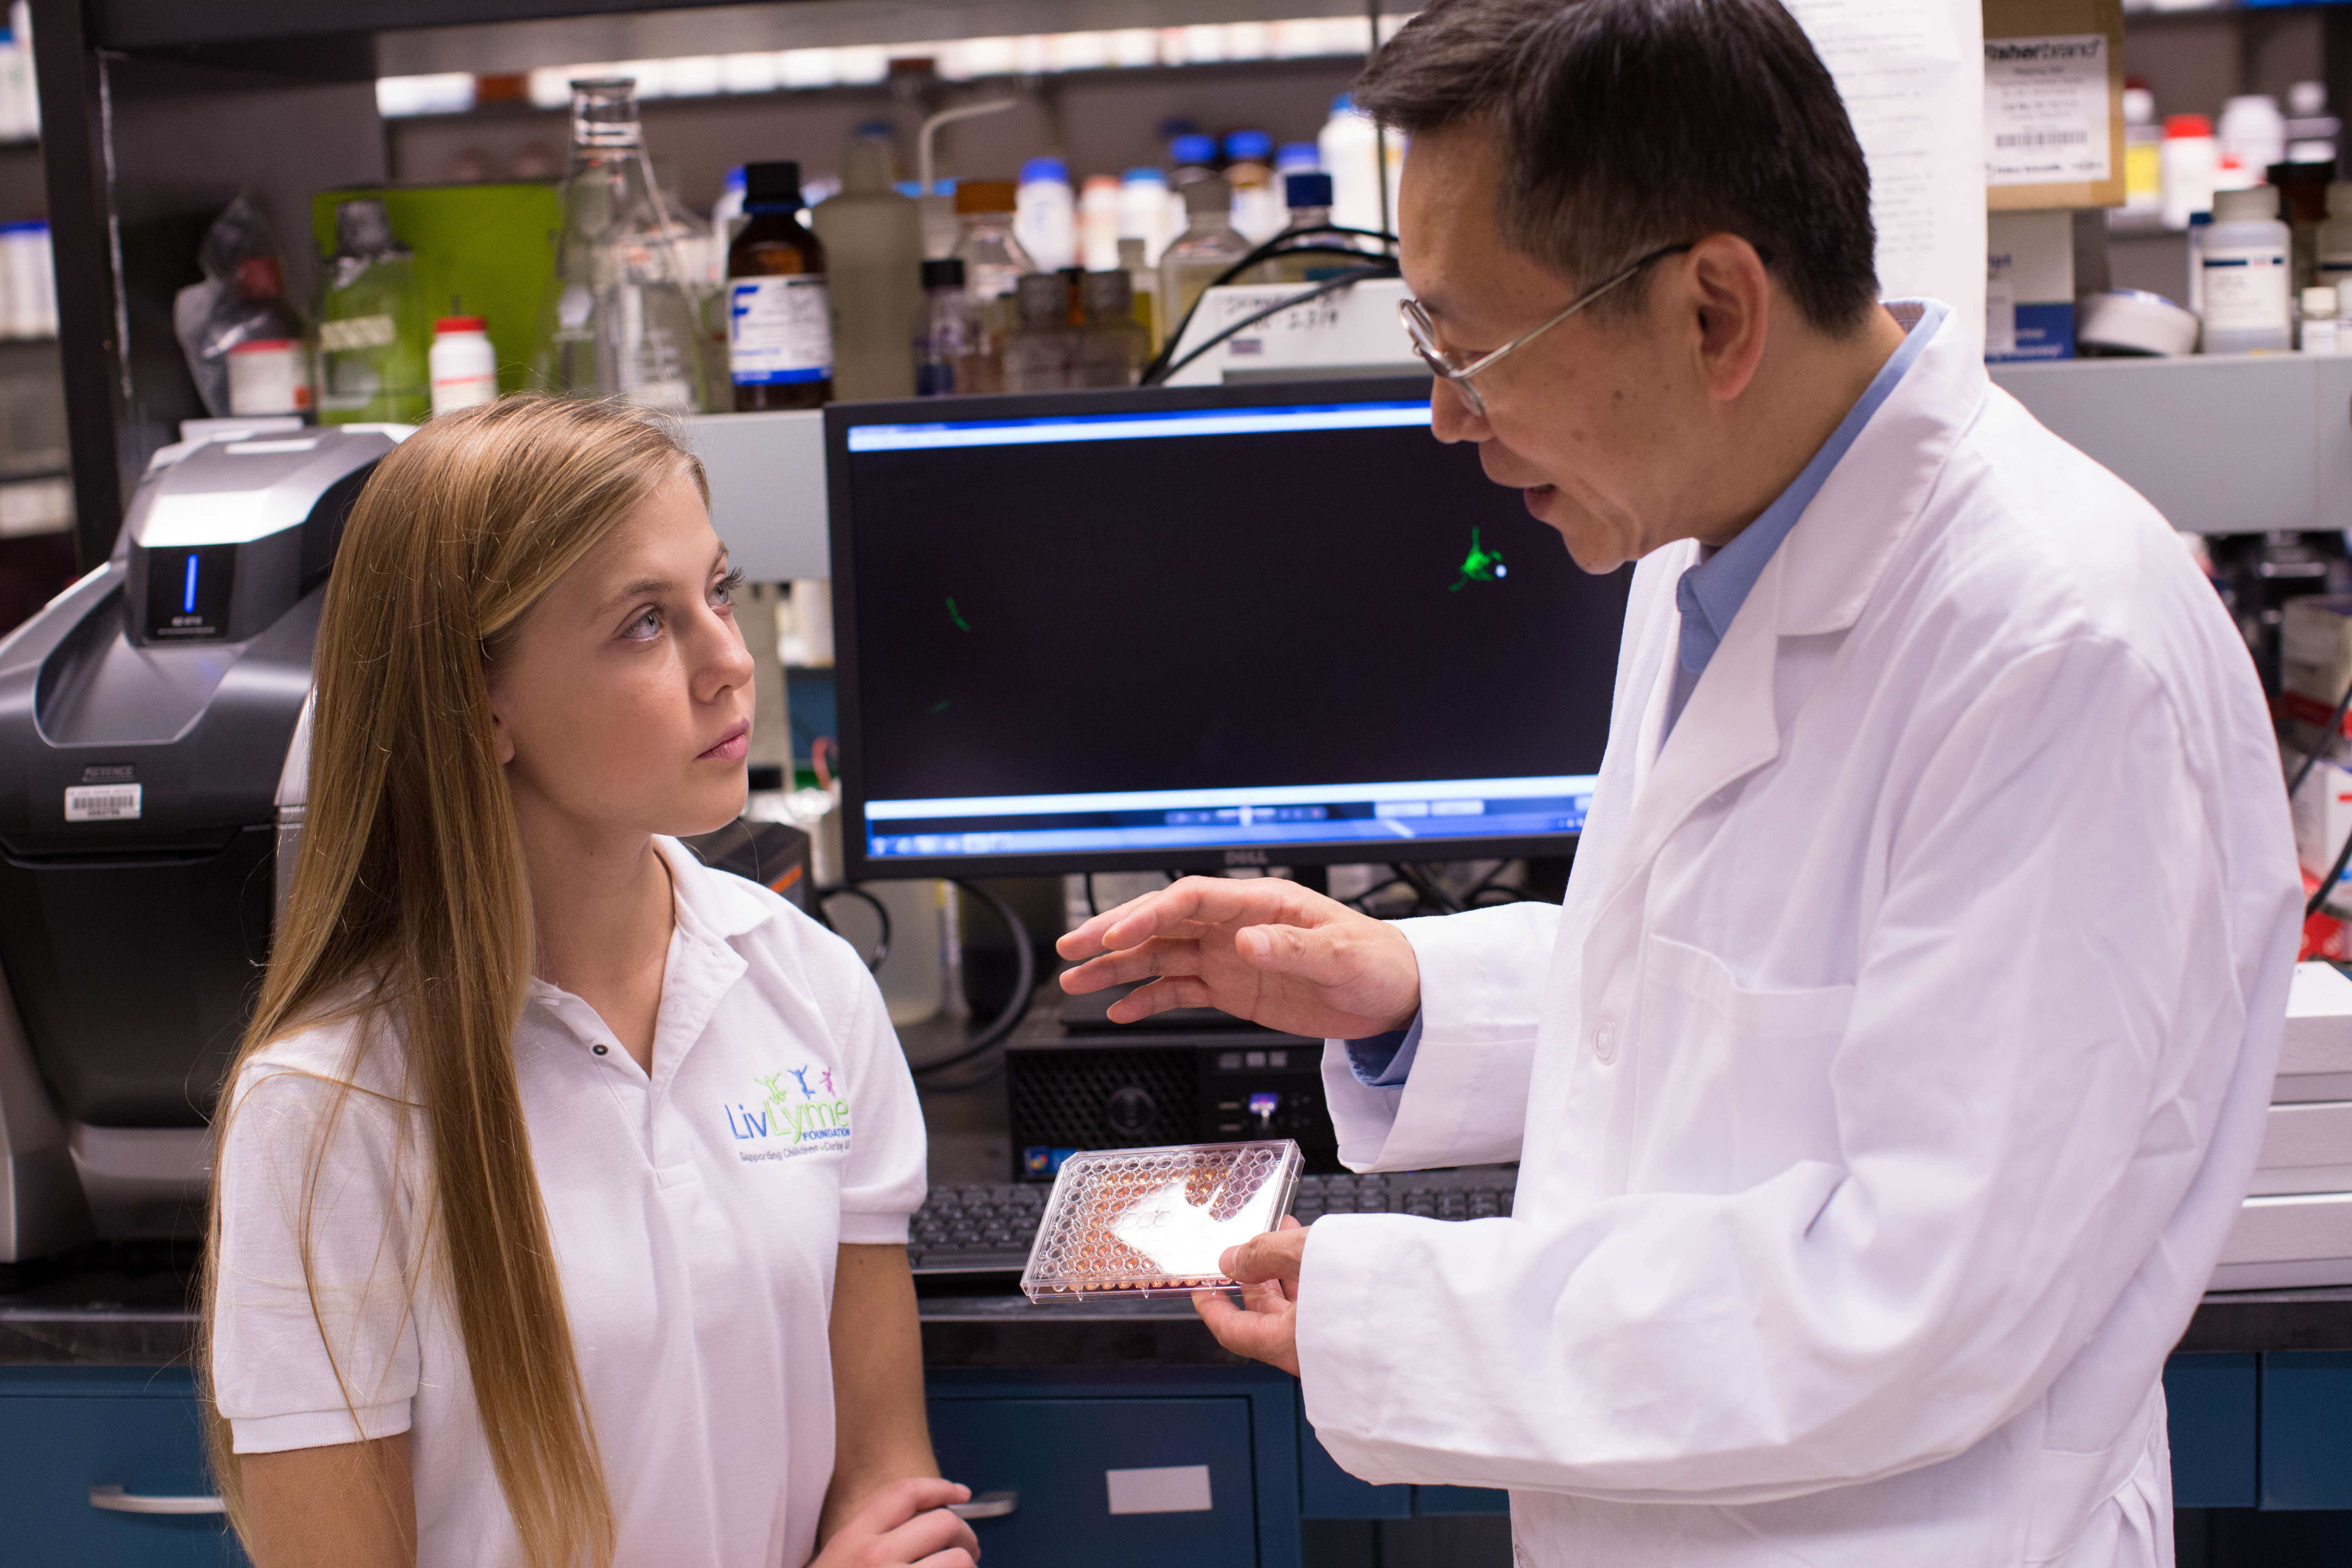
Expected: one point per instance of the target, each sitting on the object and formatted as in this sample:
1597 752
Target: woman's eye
722 593
643 628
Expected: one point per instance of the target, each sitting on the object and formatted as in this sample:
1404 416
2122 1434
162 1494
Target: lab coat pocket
1732 1083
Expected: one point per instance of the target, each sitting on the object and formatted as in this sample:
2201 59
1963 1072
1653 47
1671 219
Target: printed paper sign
2046 111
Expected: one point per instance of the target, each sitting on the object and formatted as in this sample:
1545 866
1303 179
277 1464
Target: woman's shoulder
344 1041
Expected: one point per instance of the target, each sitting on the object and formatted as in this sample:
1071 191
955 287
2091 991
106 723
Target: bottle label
779 331
2246 289
268 375
358 332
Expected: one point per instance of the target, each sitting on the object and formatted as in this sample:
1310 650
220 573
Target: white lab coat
1886 1084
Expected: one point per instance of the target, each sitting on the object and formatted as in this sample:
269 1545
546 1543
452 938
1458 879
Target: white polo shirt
694 1215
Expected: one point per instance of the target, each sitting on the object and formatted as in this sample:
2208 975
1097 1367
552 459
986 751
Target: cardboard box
2030 286
2054 104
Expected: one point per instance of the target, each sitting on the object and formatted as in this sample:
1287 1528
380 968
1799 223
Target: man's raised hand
1262 949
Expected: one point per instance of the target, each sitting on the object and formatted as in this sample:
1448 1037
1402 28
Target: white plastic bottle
2252 128
2248 304
1098 224
464 370
1258 213
2319 326
1350 146
1143 211
1044 214
727 212
2191 158
2333 246
872 240
28 105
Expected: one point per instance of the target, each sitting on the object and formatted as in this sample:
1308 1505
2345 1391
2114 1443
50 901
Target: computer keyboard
987 1227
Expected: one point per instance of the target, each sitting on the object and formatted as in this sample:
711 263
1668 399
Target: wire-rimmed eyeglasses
1423 333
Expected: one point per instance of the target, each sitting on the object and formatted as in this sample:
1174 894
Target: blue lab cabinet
64 1430
2270 1430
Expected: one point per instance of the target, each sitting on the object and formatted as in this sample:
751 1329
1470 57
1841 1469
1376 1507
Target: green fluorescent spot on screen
1481 565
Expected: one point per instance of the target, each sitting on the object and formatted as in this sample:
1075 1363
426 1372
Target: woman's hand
904 1525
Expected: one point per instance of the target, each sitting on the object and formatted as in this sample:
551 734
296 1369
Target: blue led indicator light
188 600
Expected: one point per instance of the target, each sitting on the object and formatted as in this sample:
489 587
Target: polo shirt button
1604 1041
600 1049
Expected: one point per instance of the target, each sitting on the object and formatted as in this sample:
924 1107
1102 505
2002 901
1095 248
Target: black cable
1025 957
1359 900
1429 893
1278 246
1159 370
882 945
2327 737
1331 286
1088 878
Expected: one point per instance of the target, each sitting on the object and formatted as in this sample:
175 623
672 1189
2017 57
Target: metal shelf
418 36
2219 443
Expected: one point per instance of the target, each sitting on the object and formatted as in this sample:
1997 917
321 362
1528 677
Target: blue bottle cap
1306 188
735 178
1298 157
1144 177
1049 170
1249 146
1192 149
1343 104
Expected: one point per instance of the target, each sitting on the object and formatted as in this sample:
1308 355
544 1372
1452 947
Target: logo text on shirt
800 1113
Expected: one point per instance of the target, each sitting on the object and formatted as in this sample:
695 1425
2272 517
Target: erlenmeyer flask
624 313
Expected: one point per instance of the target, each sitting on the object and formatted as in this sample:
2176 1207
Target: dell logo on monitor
1245 857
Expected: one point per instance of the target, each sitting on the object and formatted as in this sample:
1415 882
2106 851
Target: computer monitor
1199 629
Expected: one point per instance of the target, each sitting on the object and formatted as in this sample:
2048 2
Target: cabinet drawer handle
114 1499
987 1505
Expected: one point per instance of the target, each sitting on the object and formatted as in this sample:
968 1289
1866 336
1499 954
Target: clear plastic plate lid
1153 1222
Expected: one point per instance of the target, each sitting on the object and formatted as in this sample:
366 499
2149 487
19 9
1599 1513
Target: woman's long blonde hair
410 908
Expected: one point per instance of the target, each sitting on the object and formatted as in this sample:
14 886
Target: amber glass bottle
778 321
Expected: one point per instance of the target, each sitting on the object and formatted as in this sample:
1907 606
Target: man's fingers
1086 942
1259 1335
1274 1256
1163 955
1211 900
1174 991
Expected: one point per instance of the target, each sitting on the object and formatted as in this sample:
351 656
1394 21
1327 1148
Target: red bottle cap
2187 125
460 324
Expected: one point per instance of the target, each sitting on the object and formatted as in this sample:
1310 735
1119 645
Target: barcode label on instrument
102 803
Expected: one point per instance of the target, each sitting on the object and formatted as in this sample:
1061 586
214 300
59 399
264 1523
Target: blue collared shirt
1711 593
1708 595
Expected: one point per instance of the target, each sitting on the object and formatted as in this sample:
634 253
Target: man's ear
1723 288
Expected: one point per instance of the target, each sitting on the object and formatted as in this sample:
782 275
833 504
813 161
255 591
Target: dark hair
1631 125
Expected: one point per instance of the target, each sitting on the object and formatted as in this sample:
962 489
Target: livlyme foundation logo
785 1126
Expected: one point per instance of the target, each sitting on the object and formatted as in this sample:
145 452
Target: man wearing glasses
1885 1087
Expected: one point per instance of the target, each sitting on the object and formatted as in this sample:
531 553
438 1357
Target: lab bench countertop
108 1314
112 1315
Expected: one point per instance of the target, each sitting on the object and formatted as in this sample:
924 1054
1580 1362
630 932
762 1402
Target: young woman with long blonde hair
562 1182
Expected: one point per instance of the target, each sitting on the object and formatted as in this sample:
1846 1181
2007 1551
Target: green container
374 334
484 250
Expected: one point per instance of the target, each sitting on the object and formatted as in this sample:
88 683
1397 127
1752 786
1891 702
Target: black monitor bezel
856 865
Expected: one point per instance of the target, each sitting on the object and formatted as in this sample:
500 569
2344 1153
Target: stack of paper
2295 1227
